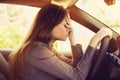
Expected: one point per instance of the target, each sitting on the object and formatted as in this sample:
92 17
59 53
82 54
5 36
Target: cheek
59 33
56 33
59 29
62 29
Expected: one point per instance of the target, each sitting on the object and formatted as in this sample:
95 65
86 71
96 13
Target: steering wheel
99 59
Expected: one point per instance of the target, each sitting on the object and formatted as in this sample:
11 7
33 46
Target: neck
51 43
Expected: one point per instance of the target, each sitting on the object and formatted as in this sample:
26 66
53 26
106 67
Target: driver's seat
4 71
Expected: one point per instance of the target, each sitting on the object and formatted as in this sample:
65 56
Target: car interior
106 61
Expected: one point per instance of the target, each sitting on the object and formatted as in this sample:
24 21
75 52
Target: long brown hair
47 18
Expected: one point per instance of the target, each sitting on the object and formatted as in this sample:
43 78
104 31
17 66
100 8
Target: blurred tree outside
15 21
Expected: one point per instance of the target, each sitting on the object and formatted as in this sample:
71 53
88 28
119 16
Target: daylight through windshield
108 14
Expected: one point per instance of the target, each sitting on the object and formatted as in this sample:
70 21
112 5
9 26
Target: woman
37 60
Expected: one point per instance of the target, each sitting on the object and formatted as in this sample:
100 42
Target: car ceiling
40 3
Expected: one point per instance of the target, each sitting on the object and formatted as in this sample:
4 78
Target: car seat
4 69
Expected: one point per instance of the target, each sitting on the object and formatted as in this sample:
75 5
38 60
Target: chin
63 39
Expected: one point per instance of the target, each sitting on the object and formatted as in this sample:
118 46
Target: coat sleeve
43 59
77 54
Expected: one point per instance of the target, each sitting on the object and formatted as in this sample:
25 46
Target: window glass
108 14
15 20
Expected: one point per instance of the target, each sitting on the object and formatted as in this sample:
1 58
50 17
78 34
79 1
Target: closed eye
65 26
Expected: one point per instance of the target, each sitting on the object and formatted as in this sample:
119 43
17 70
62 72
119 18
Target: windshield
109 14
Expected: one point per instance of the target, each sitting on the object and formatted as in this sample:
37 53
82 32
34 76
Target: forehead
64 20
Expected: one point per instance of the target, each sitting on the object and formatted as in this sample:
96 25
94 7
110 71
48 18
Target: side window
15 20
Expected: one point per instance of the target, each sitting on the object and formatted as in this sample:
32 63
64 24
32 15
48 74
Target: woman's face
61 31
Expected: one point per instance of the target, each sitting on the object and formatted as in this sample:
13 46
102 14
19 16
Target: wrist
72 42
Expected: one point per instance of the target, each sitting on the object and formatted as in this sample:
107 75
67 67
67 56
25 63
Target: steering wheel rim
103 49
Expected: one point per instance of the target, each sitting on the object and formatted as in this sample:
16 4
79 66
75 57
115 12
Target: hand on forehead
67 18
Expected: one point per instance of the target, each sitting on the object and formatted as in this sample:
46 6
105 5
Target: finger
68 22
68 16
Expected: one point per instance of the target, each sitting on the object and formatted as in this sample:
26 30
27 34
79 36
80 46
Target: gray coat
42 64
